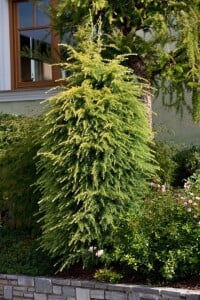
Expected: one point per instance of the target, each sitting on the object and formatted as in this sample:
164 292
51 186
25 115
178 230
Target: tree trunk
138 65
147 98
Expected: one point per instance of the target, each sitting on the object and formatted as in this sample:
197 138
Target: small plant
108 275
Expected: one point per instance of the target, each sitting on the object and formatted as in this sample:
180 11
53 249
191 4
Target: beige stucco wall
170 126
23 107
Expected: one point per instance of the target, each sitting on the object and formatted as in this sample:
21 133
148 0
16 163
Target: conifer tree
95 152
164 36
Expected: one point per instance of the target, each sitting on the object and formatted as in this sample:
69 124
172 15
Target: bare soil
76 272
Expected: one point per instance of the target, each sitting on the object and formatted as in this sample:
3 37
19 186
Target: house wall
167 124
13 287
172 127
5 82
22 108
24 102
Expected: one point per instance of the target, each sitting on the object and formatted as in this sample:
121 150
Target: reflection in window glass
42 18
25 10
35 49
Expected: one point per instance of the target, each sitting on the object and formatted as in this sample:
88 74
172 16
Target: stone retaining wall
41 288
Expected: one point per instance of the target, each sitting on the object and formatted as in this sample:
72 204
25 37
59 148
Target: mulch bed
76 272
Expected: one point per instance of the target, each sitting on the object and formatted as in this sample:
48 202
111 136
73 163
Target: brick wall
42 288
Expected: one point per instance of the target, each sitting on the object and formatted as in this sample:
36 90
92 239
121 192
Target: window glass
34 42
42 18
34 48
35 58
25 11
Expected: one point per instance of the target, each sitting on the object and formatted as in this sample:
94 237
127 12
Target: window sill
26 95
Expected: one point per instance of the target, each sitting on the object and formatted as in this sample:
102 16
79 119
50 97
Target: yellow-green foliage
95 153
196 105
164 37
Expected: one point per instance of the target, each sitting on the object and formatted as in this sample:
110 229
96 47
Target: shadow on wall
28 108
172 127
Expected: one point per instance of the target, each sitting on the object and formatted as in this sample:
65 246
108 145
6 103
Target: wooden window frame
16 83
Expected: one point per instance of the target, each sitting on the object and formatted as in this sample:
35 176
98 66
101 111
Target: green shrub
18 147
9 129
164 155
188 162
95 155
176 162
190 196
20 254
159 238
108 275
193 182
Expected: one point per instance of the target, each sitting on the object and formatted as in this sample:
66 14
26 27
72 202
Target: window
33 44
